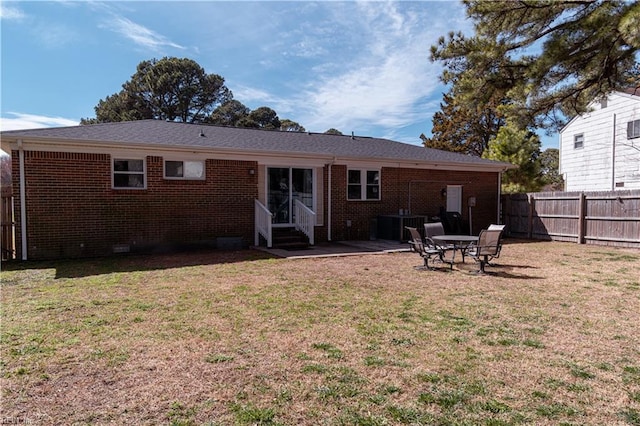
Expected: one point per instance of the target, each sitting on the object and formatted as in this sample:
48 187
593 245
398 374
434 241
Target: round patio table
460 242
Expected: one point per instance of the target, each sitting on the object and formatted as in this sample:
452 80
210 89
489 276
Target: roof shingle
163 134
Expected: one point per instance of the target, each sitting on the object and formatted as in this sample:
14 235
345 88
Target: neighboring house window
578 141
633 129
184 169
128 173
363 185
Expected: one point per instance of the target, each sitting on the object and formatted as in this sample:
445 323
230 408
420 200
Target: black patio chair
427 249
432 229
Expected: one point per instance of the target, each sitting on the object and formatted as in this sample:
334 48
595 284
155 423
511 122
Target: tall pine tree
463 128
521 148
546 58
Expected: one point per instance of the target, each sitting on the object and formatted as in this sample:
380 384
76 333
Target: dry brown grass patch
549 336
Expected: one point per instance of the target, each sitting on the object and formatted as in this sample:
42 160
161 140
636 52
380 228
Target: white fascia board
615 93
262 157
423 165
468 167
627 95
137 150
7 146
568 124
288 161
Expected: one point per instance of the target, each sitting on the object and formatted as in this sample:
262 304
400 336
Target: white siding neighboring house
600 150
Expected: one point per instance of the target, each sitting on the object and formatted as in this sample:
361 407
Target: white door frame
454 198
289 189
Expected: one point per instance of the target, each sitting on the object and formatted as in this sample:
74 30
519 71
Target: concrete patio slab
340 248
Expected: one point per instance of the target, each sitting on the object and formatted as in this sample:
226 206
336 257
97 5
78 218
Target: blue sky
358 67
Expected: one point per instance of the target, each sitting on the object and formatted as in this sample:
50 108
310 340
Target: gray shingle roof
162 134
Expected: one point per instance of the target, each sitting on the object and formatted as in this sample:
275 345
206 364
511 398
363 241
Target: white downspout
613 156
23 201
329 218
499 203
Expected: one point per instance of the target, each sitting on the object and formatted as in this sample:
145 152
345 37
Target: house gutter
23 201
102 147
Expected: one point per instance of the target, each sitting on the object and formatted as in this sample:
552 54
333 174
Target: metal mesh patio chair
433 229
437 228
495 227
427 248
487 247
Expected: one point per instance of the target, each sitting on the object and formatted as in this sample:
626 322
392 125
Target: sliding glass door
284 185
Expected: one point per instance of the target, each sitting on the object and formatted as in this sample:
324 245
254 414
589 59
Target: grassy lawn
550 336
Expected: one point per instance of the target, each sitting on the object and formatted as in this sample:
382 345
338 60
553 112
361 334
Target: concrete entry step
289 239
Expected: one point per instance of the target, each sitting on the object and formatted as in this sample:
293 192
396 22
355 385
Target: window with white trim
633 129
363 184
129 173
188 170
578 141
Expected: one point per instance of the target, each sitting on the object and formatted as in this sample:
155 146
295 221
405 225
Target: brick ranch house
133 186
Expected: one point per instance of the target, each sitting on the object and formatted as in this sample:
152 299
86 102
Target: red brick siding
74 212
15 187
426 199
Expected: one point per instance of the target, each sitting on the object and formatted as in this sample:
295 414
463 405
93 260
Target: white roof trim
262 157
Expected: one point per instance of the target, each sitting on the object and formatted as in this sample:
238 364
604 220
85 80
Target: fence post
7 224
530 219
506 211
581 217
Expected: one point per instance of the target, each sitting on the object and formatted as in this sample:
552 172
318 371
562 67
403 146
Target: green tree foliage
333 131
167 89
179 89
121 106
234 113
247 123
260 118
287 125
229 113
548 57
550 170
266 118
464 128
521 148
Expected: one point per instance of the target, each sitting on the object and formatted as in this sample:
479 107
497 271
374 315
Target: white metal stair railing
305 220
263 225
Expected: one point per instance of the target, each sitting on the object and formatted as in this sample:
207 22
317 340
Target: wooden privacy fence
7 224
604 218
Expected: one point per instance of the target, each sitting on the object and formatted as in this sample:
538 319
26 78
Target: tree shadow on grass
77 268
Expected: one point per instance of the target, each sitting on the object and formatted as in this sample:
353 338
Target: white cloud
368 66
47 32
52 35
254 98
139 34
11 13
388 84
384 94
307 48
251 94
20 121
